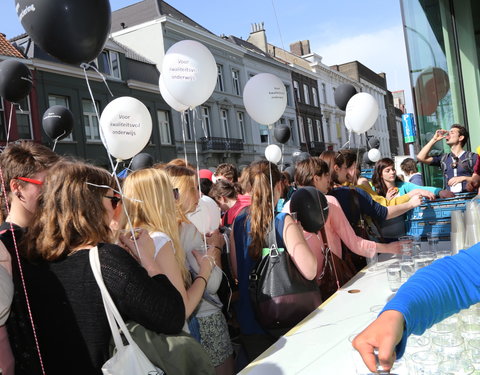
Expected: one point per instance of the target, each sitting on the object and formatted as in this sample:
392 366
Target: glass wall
442 51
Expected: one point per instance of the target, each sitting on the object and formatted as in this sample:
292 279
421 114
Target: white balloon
273 153
189 72
374 155
125 127
362 112
171 101
206 217
265 98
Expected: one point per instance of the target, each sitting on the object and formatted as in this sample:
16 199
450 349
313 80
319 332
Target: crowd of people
166 277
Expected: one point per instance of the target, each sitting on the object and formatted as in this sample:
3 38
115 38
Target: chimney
258 36
300 48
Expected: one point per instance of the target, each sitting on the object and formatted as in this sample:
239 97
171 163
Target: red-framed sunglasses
30 180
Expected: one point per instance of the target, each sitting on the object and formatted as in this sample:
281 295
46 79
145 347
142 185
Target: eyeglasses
115 200
30 180
176 194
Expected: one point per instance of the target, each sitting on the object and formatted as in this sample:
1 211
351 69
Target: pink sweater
338 229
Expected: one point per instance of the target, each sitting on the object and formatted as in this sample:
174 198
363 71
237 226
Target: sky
340 31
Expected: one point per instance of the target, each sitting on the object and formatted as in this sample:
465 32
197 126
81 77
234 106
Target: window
315 96
236 81
241 125
324 93
90 121
224 121
311 133
263 133
220 84
289 95
291 122
301 130
327 128
63 101
185 117
164 127
306 93
24 120
318 123
206 120
109 63
3 134
296 91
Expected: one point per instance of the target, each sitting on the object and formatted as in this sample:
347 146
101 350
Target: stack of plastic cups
472 230
457 234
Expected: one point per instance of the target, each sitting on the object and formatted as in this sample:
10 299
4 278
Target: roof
131 54
246 45
148 10
7 49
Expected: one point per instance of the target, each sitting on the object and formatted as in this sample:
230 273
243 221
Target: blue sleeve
437 291
417 180
436 160
406 187
370 207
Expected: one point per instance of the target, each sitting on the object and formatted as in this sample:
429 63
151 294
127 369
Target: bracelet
201 277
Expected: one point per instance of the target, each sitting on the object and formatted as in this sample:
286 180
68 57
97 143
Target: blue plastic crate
421 228
367 173
440 208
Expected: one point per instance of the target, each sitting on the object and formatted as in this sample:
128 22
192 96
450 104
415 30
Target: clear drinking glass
456 366
394 276
372 263
425 363
448 346
443 253
407 269
432 242
473 352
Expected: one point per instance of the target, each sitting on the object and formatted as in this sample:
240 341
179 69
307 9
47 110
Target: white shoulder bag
128 359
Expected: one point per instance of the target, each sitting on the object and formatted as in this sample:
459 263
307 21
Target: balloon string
184 125
20 269
9 122
57 139
111 163
86 66
283 151
195 116
278 24
349 138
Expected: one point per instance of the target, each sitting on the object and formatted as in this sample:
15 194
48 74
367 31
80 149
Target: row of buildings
141 34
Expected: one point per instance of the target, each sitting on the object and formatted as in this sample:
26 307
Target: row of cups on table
412 259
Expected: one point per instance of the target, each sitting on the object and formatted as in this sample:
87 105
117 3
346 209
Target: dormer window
109 63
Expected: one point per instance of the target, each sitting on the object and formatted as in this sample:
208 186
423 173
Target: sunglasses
455 162
115 200
30 180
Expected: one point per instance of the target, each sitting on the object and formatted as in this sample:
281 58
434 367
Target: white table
319 344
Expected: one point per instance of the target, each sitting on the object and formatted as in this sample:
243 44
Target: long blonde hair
183 179
156 211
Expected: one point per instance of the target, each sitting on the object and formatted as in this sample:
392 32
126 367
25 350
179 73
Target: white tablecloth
320 344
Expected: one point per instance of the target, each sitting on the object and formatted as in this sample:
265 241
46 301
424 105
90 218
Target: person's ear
15 188
336 168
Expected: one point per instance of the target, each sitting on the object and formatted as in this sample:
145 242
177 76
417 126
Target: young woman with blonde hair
212 326
75 208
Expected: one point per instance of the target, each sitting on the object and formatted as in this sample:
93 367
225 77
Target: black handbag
280 295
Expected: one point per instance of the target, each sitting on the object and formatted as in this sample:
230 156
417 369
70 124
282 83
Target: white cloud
381 51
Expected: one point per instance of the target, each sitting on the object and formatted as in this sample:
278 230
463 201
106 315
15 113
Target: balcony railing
221 144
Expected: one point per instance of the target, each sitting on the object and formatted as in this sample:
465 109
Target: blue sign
408 125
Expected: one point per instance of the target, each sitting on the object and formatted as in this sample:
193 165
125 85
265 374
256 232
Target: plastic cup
448 346
407 269
432 242
372 263
443 253
426 362
457 222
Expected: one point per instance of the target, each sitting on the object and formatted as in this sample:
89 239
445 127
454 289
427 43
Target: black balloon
15 80
311 207
366 159
57 122
282 133
343 93
73 31
141 161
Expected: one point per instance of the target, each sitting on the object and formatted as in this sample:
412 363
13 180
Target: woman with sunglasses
75 210
208 323
23 166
